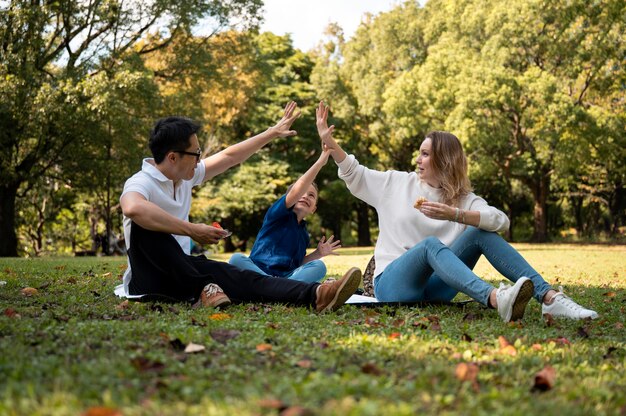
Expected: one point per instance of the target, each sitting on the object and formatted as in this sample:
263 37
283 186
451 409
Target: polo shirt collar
151 170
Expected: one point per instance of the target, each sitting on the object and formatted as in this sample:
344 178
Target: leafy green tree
50 56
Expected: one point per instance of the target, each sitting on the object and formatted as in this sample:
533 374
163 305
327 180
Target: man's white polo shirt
158 189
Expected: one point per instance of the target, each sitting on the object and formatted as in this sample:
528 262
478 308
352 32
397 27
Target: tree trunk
540 188
8 237
363 224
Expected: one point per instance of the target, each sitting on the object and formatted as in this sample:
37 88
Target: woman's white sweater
401 226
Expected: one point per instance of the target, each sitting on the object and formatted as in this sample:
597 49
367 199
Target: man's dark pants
159 266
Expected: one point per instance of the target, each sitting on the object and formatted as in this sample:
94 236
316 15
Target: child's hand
326 247
324 155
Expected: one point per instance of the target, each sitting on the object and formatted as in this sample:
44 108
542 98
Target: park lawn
73 348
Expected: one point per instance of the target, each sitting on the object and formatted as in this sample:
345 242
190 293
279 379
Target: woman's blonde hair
449 165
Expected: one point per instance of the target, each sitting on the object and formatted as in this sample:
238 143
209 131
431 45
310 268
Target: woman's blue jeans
432 271
311 272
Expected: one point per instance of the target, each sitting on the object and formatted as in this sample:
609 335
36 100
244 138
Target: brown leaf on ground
609 294
503 342
398 323
195 322
102 411
619 325
29 291
467 372
107 274
59 267
192 348
559 341
609 352
395 335
536 347
305 363
123 305
549 320
272 404
544 379
144 364
177 345
71 280
224 335
582 332
272 325
506 347
296 411
371 368
264 347
11 313
471 317
372 321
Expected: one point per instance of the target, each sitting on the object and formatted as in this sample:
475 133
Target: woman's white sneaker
512 300
563 306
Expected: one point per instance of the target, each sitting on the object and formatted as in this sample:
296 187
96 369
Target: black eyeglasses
197 154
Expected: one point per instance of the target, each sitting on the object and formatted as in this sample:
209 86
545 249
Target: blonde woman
433 230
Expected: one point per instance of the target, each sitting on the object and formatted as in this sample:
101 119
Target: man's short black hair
171 133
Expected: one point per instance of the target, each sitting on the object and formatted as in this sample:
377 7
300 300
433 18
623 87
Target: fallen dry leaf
536 347
144 364
192 348
29 291
506 347
101 411
11 313
544 379
609 294
395 335
271 404
305 363
224 335
467 372
371 368
549 320
108 274
123 305
398 323
583 332
177 345
471 317
264 347
559 341
296 411
220 316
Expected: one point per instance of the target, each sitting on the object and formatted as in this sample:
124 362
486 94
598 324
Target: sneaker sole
523 297
347 289
225 301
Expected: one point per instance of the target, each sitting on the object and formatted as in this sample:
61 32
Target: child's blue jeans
311 272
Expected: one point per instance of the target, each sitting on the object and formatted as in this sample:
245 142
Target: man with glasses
156 203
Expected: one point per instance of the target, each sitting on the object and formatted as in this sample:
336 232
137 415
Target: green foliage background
535 90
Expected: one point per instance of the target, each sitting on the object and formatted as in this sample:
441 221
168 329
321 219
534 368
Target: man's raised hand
282 128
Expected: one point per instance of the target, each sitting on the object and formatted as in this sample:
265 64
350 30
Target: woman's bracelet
463 216
456 215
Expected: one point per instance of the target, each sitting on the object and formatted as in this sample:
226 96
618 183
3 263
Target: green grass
72 348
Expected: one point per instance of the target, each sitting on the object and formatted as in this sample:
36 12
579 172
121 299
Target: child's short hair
314 186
